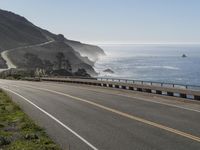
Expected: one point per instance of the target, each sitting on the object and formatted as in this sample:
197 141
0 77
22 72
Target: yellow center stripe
151 123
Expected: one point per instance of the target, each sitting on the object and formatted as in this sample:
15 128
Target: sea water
152 62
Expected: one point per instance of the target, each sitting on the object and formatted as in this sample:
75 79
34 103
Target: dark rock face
184 56
109 71
91 51
60 38
17 32
2 63
81 72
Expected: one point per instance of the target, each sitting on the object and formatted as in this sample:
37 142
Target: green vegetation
18 132
36 67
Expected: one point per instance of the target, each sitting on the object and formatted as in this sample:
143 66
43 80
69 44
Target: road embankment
17 131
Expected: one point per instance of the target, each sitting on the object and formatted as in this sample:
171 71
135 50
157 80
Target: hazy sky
114 21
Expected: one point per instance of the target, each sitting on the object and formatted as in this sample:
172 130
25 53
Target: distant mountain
18 36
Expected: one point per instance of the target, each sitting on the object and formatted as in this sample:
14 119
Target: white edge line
55 119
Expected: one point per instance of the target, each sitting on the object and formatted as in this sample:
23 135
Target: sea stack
109 71
184 56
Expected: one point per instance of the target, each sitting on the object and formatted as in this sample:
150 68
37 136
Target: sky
114 21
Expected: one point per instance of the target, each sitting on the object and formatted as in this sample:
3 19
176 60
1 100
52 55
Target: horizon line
141 43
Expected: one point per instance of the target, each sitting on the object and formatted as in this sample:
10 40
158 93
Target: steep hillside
16 31
18 37
48 52
91 51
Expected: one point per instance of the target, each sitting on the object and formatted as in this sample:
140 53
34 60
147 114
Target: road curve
9 63
84 117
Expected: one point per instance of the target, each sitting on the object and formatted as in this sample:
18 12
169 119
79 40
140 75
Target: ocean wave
158 67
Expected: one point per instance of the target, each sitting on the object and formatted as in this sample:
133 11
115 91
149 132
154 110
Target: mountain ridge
17 33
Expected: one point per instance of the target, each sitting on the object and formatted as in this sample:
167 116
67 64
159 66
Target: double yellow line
132 117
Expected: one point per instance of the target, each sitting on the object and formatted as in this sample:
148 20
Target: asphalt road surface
80 117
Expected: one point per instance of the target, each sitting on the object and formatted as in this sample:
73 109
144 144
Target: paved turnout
82 117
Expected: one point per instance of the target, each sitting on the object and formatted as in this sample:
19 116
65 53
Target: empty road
83 117
9 63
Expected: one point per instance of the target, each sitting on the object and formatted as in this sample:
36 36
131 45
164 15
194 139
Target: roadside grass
18 132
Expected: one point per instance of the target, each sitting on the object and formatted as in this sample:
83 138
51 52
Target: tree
67 65
33 61
60 58
48 65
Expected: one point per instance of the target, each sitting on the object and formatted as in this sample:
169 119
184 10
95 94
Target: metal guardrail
140 82
152 83
169 89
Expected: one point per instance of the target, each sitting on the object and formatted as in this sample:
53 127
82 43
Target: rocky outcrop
109 71
91 51
184 56
48 53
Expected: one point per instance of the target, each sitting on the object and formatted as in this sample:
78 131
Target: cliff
19 36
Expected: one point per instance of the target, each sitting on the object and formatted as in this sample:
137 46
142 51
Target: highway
83 117
9 63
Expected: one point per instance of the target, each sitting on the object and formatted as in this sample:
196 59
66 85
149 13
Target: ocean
152 62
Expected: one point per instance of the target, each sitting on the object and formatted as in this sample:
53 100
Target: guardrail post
99 84
116 86
139 89
131 88
105 85
148 90
158 92
123 87
170 93
183 95
196 97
